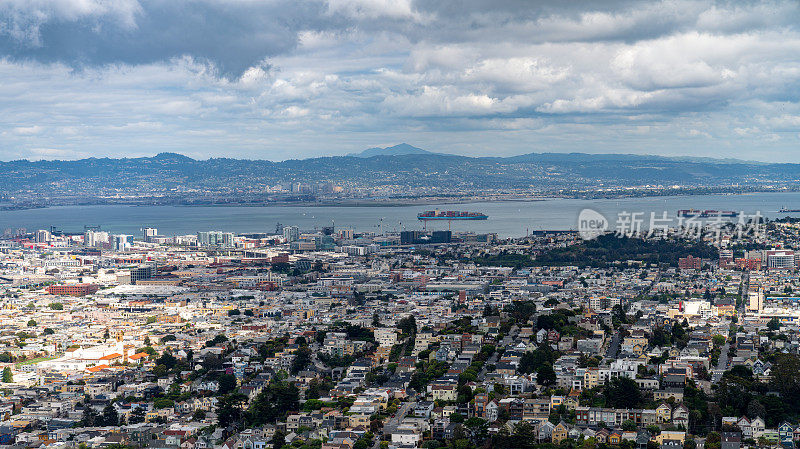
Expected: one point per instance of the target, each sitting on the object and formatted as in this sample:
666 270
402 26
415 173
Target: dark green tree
227 383
274 402
110 416
546 376
622 392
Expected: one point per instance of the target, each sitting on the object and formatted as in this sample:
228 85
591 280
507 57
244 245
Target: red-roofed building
110 357
138 357
97 369
72 290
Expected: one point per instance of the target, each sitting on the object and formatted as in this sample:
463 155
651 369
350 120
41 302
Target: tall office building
215 238
149 233
95 238
291 233
43 236
203 238
121 242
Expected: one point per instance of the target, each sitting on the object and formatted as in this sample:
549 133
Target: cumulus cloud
275 78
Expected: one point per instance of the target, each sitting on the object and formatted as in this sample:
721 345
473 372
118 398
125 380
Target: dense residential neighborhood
342 340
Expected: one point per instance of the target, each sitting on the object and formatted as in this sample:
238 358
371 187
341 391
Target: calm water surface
507 218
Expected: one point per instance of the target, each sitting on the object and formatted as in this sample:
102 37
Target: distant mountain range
397 150
400 171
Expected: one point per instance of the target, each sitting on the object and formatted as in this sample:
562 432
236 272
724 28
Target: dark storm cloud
232 35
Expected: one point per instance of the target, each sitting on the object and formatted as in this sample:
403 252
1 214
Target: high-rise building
291 233
121 242
95 238
149 233
755 301
215 238
43 236
203 238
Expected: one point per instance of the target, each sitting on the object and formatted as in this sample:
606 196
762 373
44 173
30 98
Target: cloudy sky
280 79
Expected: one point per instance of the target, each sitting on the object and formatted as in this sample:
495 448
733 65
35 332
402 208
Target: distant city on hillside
399 174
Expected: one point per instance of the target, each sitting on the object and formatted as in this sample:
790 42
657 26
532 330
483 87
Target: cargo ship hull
450 215
691 213
453 218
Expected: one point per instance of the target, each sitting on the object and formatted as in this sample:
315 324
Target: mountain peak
395 150
166 156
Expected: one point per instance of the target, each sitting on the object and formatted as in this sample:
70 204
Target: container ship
708 213
784 210
450 215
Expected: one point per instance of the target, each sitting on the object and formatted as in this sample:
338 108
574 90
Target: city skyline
278 80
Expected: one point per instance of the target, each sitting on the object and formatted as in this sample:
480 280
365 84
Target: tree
532 361
229 409
227 383
168 338
756 409
199 415
622 392
302 357
785 378
520 311
89 418
679 335
32 323
618 314
56 306
168 360
48 331
477 429
160 371
713 440
274 401
136 416
278 439
660 337
376 321
408 325
8 376
161 403
546 376
774 324
110 416
741 371
216 341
